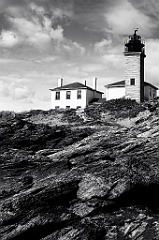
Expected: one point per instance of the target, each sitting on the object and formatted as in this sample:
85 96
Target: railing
134 40
134 45
133 50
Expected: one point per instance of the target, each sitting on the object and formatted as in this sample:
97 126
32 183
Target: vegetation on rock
118 108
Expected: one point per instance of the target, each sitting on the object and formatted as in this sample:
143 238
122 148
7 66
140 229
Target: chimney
60 82
94 83
85 82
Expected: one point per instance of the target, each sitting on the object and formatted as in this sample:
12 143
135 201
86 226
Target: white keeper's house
133 86
74 95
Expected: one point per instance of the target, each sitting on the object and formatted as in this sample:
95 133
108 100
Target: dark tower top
134 43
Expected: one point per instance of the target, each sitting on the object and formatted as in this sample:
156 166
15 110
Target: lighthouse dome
134 43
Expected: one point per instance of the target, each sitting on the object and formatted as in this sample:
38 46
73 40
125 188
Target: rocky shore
80 182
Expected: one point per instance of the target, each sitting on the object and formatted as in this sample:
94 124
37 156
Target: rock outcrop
85 183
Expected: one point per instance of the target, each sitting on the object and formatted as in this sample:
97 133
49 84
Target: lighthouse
134 67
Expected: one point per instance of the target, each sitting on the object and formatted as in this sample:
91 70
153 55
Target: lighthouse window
132 81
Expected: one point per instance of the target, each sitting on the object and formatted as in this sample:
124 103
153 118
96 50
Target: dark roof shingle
116 84
74 85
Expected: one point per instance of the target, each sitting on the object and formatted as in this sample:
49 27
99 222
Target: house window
67 107
57 96
79 94
132 81
68 95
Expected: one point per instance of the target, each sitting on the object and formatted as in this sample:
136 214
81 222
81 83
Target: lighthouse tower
134 67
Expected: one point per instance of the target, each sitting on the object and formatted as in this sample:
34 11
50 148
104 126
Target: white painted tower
134 67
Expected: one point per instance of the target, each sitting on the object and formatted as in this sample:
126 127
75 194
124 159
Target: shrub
119 108
71 116
7 114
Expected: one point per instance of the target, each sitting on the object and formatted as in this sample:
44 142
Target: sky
43 40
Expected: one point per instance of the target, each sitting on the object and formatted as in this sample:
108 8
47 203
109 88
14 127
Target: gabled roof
149 84
73 86
122 84
116 84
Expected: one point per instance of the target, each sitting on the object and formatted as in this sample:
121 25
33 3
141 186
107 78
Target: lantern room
134 43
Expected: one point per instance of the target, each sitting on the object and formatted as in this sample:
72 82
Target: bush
71 116
120 104
119 108
93 111
7 114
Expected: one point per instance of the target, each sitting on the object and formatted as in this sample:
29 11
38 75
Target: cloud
76 71
45 98
23 93
8 39
16 92
5 90
118 18
148 7
124 17
36 32
90 13
113 61
57 34
79 47
151 10
39 10
92 67
70 51
102 45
